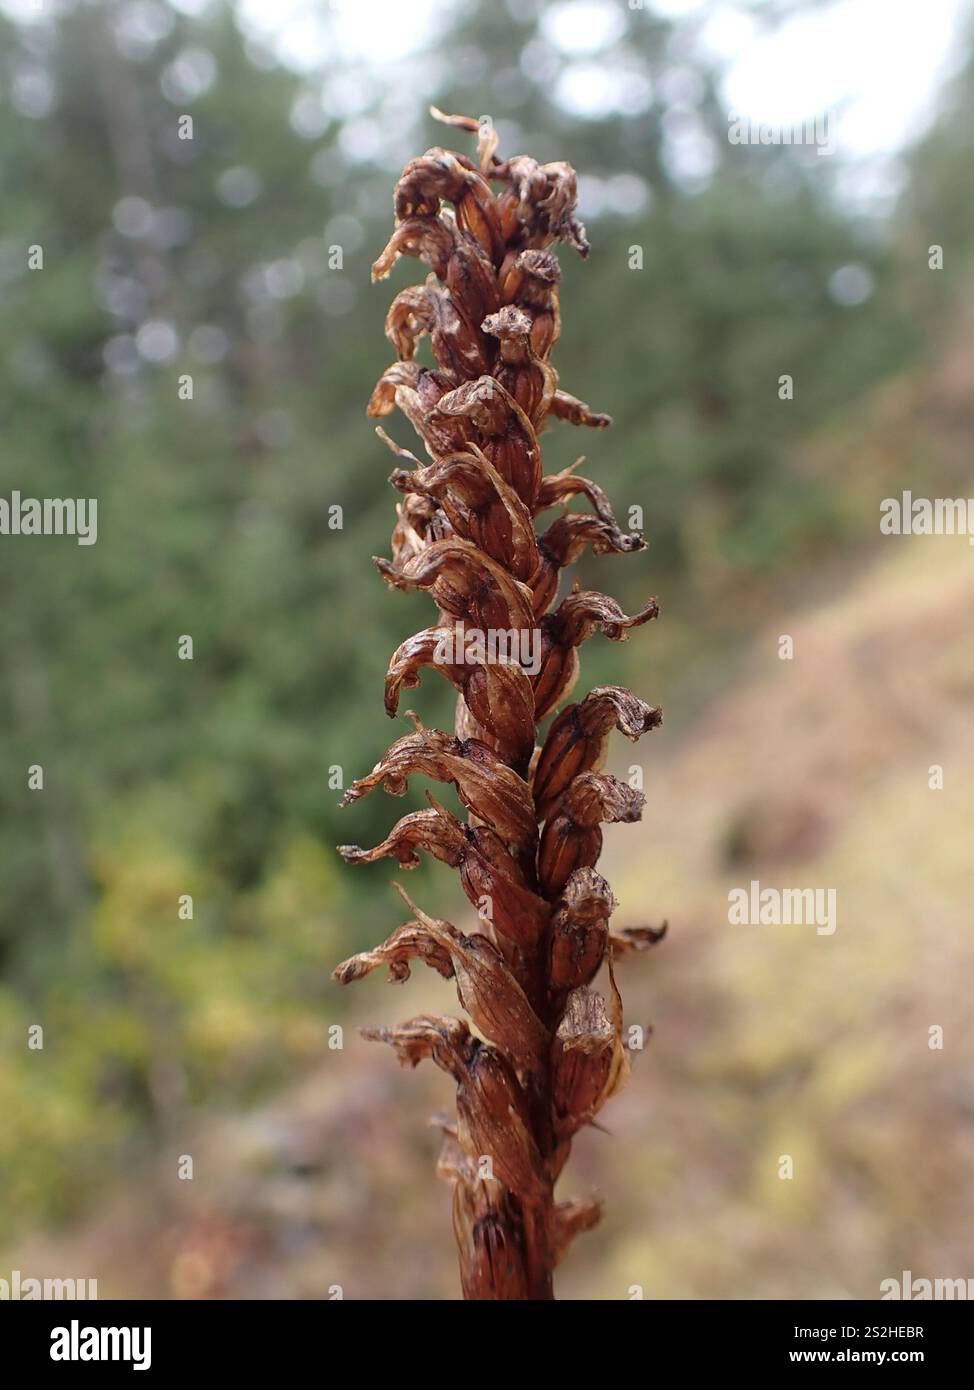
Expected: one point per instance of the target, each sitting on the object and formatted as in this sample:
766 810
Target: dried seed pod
483 412
526 377
545 196
530 280
499 696
465 534
488 1226
492 878
497 1246
572 837
479 505
578 738
579 931
494 1122
588 1062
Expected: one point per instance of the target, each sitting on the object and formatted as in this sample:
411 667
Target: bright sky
879 63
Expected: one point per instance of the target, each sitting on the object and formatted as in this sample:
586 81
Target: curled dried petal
580 613
462 350
419 522
572 1218
409 942
563 543
576 412
485 131
558 488
572 623
493 880
579 932
453 256
407 384
436 832
629 940
465 583
440 174
567 537
429 239
446 1041
485 784
498 694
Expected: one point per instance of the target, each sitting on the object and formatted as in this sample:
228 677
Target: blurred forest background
211 256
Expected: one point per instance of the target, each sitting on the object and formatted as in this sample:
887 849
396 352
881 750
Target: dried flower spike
548 1051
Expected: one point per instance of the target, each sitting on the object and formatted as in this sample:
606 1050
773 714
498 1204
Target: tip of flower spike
461 122
487 137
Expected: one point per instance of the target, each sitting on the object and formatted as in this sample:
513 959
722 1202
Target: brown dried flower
550 1050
